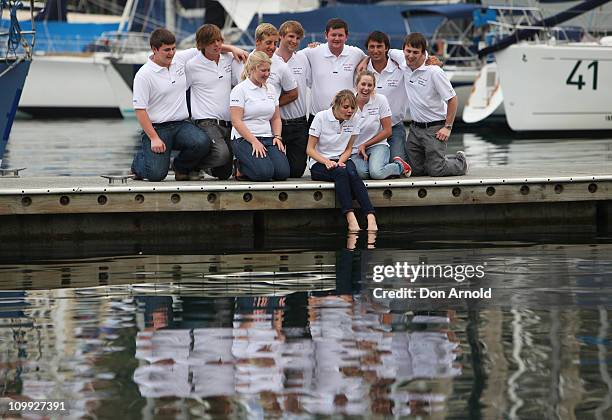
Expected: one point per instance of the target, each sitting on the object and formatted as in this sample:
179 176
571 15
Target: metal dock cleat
116 178
10 172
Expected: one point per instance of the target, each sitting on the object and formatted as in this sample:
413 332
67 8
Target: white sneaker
461 155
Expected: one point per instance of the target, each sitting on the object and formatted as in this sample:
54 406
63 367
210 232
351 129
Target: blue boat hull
11 86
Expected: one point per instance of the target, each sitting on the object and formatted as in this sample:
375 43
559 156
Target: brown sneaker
181 177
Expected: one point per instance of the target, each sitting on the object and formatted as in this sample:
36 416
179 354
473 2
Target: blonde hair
364 73
291 26
344 95
265 29
256 59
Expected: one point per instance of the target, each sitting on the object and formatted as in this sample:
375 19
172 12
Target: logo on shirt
227 68
422 81
298 70
373 111
237 101
393 83
348 67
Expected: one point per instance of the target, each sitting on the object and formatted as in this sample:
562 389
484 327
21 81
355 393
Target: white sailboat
549 82
557 86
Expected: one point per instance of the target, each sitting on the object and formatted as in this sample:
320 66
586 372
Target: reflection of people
258 344
161 110
371 152
256 132
332 134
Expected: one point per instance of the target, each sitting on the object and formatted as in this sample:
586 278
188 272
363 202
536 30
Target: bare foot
372 226
353 224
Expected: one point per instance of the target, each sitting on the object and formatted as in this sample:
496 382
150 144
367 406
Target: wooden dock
550 194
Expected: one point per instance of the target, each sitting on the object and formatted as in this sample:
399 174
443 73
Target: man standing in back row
332 65
293 114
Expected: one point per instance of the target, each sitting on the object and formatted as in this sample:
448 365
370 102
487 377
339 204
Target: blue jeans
273 167
191 142
397 141
347 183
377 165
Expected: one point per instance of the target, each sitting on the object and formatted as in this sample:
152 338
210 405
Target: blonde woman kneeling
256 133
371 151
331 139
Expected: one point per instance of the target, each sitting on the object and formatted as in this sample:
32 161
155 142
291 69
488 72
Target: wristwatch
448 126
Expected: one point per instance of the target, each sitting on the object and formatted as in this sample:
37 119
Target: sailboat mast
170 15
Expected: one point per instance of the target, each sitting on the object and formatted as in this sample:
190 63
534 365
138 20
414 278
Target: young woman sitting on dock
371 153
332 134
256 133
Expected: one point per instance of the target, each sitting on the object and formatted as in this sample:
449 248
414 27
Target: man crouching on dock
433 105
161 109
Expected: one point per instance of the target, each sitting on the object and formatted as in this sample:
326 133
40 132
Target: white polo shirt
211 84
161 91
333 136
428 91
369 118
390 83
300 69
258 103
331 74
280 76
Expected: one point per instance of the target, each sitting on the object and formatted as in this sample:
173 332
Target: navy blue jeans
295 138
347 182
191 142
272 167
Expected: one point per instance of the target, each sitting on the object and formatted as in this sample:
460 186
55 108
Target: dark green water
133 330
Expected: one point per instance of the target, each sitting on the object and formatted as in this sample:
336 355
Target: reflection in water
299 333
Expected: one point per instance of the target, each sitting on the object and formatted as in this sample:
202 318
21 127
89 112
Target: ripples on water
94 147
297 333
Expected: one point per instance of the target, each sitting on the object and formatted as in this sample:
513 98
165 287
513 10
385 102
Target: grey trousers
427 154
219 161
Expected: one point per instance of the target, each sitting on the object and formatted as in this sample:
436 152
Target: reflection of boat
14 65
550 83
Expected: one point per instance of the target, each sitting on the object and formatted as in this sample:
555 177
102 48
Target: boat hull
11 86
71 86
556 87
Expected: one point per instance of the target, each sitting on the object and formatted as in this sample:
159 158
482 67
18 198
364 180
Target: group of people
250 117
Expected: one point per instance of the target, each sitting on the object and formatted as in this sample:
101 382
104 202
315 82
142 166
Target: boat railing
119 42
557 33
19 44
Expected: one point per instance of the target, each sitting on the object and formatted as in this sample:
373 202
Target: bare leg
353 224
372 226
